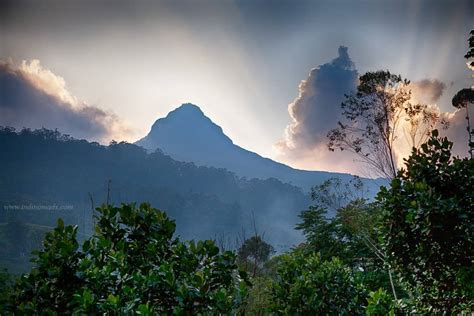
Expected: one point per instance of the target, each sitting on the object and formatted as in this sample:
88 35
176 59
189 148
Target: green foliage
306 285
254 258
350 235
17 241
322 234
51 286
428 226
132 264
463 98
259 300
339 222
380 303
253 254
5 290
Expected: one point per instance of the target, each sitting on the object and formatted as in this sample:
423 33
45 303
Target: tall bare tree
376 115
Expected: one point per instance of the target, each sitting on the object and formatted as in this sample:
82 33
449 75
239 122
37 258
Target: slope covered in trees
46 175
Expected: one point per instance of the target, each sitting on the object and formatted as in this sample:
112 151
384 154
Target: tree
350 234
339 215
470 52
259 299
307 285
322 233
132 264
374 118
465 97
254 253
5 290
427 228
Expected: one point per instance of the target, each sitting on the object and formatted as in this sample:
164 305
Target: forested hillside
43 170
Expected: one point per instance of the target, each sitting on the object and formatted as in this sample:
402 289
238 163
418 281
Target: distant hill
42 169
187 134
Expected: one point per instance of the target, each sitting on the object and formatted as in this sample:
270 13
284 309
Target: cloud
315 111
34 97
450 124
456 131
427 91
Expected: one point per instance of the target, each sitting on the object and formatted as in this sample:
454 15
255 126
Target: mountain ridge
187 134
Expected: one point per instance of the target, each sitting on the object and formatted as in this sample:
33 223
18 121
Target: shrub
306 285
132 264
380 303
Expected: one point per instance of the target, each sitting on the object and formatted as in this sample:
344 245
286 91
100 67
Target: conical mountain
187 134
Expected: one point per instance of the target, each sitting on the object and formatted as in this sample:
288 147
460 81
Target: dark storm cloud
33 97
259 15
278 15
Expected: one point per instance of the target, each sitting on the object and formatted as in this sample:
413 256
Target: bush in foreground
306 285
132 264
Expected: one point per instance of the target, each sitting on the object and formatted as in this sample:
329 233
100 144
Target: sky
105 70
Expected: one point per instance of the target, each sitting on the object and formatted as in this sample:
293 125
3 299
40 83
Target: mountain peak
184 128
186 111
187 134
187 114
188 108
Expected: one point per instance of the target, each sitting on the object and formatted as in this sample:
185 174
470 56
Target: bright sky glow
240 61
